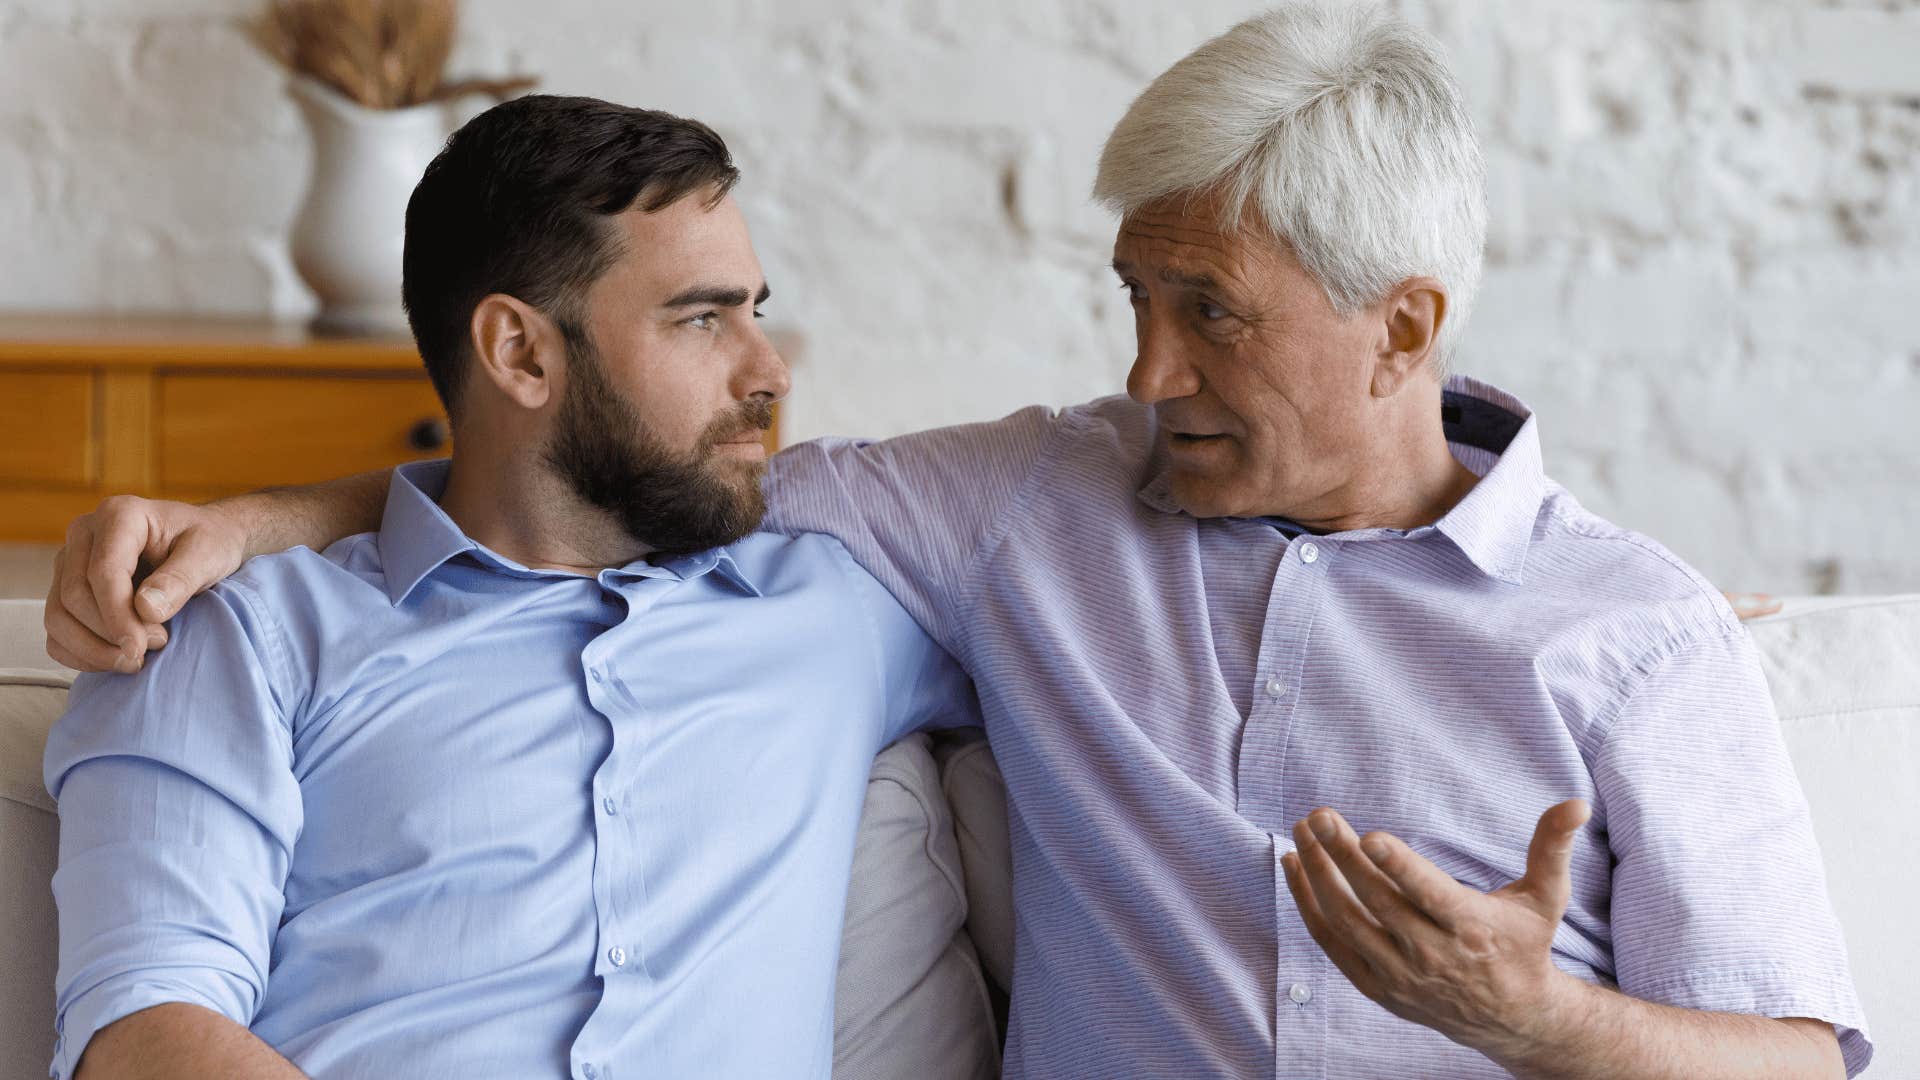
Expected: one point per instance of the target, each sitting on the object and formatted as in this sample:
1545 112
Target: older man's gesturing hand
1477 967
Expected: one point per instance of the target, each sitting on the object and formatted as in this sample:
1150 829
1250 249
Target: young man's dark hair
517 203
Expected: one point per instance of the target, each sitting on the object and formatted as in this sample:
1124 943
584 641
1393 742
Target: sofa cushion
1845 676
23 641
910 1000
29 849
971 779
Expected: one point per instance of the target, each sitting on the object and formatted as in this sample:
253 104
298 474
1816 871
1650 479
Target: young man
558 772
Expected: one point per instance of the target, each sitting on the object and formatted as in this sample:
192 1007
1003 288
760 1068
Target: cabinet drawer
46 429
246 431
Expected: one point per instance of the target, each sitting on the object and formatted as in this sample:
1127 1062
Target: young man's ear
1414 314
516 346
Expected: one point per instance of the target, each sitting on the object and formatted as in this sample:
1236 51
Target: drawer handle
428 435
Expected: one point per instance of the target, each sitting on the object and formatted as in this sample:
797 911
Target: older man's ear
1411 316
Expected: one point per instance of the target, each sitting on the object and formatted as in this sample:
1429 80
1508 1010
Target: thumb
198 560
1549 877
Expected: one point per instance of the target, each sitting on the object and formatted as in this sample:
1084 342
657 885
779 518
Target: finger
112 562
196 562
81 627
1350 962
1375 890
1752 605
81 648
62 657
1425 886
1343 913
1549 877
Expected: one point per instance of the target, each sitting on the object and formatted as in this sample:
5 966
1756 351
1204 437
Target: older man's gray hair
1342 128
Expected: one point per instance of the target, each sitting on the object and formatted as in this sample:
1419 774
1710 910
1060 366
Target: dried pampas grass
380 54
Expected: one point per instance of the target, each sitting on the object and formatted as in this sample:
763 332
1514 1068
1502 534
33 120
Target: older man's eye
1135 293
1211 312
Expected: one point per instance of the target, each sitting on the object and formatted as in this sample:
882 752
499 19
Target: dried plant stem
380 54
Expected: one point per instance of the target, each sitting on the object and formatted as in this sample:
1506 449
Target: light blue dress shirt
409 809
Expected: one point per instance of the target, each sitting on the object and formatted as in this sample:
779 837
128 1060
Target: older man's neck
516 507
1411 479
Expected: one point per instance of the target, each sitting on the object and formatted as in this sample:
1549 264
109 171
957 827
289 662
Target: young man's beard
674 503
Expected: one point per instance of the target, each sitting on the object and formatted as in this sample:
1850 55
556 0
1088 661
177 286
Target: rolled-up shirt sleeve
1719 898
179 811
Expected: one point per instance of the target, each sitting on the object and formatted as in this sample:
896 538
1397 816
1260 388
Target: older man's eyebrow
1196 282
718 296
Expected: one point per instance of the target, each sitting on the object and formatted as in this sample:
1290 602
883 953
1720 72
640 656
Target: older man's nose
1160 372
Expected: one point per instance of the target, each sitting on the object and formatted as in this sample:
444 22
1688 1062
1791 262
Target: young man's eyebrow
718 296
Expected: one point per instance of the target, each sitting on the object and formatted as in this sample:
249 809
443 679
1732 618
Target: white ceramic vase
348 239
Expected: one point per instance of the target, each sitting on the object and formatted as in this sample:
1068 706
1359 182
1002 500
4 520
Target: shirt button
610 806
1299 993
589 1071
598 676
1276 688
617 956
1310 553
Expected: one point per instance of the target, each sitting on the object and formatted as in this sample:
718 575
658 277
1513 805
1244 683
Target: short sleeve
179 812
1719 898
916 511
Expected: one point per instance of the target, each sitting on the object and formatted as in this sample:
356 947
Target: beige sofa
929 921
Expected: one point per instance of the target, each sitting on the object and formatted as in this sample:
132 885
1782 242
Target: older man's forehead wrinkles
1167 228
1209 270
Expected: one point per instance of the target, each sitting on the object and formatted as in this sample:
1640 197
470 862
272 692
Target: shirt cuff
1774 993
111 1000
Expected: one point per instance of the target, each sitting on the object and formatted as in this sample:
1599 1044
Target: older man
1297 571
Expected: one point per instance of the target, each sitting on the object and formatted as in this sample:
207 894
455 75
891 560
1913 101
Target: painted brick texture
1703 264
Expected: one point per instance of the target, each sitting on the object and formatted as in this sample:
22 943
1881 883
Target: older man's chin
1200 495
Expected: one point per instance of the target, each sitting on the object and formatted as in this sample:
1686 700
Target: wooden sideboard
198 408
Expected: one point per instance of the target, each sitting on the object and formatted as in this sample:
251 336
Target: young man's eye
706 320
758 314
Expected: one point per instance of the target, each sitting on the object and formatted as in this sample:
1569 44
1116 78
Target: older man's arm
1721 931
95 620
1598 1032
177 1041
1478 967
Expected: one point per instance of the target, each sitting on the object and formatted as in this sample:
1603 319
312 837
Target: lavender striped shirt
1167 695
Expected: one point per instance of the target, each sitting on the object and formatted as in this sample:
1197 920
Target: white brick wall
1704 265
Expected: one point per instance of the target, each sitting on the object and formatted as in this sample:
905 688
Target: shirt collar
417 537
1493 525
